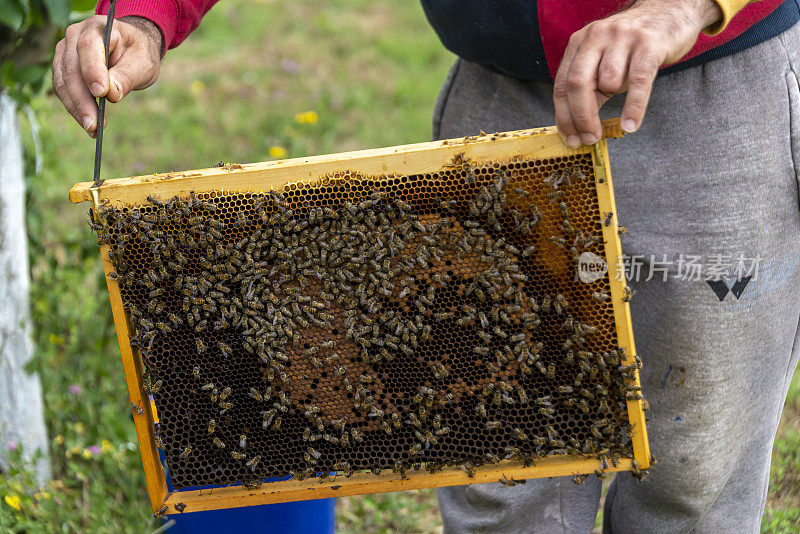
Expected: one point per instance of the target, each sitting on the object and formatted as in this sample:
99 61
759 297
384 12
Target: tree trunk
21 407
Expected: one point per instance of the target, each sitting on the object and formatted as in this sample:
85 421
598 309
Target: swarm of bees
300 333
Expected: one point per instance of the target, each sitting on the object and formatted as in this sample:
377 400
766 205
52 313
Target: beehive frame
401 160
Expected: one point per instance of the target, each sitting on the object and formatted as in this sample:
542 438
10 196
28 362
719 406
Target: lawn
259 79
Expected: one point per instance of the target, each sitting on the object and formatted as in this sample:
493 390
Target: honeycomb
366 323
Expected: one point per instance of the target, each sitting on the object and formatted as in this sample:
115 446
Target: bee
243 441
521 192
201 348
492 425
137 409
560 303
600 296
212 425
627 294
186 452
440 371
519 434
579 479
161 511
608 219
156 386
511 481
236 455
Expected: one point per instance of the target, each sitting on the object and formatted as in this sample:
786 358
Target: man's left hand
623 53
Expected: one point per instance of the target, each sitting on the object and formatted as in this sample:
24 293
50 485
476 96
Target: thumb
133 71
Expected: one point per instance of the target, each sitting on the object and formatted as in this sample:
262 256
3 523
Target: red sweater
558 19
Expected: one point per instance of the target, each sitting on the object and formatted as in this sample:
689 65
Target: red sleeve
176 18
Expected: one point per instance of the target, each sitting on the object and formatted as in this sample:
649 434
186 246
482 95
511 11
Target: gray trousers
713 171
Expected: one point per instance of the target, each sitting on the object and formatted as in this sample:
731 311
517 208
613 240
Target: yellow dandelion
278 152
106 447
56 340
59 439
86 453
198 87
306 117
80 428
13 501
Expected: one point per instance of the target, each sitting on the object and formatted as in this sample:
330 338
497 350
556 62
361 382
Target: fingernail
573 141
588 139
96 89
119 88
628 125
87 123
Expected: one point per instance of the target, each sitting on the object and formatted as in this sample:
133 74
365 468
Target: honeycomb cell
371 323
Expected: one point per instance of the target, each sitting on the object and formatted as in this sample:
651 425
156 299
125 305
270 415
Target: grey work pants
712 171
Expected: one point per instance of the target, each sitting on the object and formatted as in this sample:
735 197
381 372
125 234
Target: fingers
581 85
612 74
85 107
566 129
79 66
137 68
92 58
600 62
59 86
641 73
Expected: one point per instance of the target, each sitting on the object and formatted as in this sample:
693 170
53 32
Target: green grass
371 72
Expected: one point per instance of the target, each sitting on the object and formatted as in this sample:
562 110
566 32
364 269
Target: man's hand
79 67
623 53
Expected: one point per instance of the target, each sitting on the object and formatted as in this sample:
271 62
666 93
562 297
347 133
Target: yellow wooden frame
400 160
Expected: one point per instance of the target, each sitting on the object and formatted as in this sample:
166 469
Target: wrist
707 12
697 14
150 28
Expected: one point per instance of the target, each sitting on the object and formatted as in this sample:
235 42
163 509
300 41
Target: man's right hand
79 67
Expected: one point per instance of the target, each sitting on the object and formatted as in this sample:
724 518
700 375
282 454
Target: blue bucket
302 517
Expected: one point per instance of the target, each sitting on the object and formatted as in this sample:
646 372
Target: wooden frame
407 159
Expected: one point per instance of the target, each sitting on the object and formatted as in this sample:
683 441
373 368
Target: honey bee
627 294
511 481
137 409
186 452
579 479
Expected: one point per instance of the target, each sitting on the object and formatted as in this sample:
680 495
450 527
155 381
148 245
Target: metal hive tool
374 321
